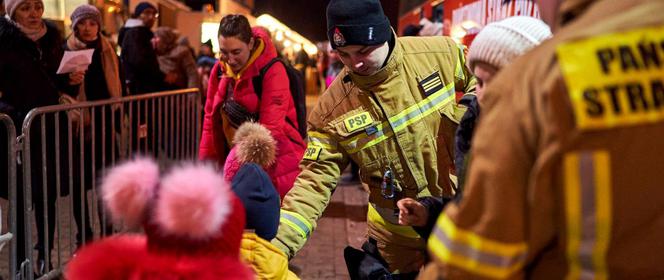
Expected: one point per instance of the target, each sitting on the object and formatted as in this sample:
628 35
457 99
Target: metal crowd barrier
66 150
9 183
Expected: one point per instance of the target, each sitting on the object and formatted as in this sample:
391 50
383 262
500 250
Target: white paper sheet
74 61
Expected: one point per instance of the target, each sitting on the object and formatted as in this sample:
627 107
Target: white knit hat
500 42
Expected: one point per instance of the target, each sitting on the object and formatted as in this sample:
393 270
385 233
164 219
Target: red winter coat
276 104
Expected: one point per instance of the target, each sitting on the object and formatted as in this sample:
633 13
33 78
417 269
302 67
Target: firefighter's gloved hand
363 266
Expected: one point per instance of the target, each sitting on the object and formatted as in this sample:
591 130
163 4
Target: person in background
565 179
411 30
103 80
498 44
176 60
334 67
30 54
428 28
183 41
138 56
204 66
205 50
232 100
142 75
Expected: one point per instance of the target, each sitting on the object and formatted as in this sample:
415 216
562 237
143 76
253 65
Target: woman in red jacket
232 100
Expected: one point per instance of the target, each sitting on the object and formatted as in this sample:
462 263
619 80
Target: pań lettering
624 58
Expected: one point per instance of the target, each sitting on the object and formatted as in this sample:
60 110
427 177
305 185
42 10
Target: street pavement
343 223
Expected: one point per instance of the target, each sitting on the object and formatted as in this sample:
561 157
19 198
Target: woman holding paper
101 80
30 53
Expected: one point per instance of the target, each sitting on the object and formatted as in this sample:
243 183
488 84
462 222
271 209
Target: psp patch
431 84
312 152
358 121
615 80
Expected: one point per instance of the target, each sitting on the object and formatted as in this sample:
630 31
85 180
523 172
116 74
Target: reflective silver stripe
297 222
325 143
479 256
423 108
588 213
588 210
397 123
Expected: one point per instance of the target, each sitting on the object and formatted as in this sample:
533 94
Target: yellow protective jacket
402 118
565 180
268 262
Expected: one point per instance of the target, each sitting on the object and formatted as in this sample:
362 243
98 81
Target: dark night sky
307 17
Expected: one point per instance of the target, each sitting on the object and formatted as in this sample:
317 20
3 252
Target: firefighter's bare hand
412 213
76 78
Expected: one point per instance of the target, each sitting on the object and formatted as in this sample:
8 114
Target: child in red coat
193 226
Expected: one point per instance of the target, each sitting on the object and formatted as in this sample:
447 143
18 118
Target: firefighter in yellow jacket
565 179
392 110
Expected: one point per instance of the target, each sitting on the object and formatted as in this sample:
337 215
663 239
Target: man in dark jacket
142 72
138 56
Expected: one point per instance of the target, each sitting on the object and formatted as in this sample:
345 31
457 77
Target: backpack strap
219 72
258 80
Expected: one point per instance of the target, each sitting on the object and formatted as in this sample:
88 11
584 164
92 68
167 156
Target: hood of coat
12 37
269 52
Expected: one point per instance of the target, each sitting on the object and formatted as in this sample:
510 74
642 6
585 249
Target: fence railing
66 148
9 183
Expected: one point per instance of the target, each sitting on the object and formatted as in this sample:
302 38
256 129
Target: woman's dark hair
235 26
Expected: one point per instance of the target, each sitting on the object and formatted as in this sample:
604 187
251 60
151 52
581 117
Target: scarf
258 50
109 62
33 34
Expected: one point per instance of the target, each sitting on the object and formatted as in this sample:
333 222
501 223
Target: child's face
484 74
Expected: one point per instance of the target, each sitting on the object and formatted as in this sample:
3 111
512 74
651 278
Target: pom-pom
255 144
128 189
194 202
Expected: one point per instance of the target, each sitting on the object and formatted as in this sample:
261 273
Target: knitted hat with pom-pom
254 151
192 220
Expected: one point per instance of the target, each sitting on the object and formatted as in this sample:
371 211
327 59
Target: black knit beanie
357 22
142 7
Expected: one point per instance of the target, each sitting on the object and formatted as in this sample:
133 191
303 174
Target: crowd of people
546 167
30 54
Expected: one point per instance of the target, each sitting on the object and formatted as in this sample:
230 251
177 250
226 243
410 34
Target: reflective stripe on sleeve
588 213
321 140
297 222
474 253
401 121
458 71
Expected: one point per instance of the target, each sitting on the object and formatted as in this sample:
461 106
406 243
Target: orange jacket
566 172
